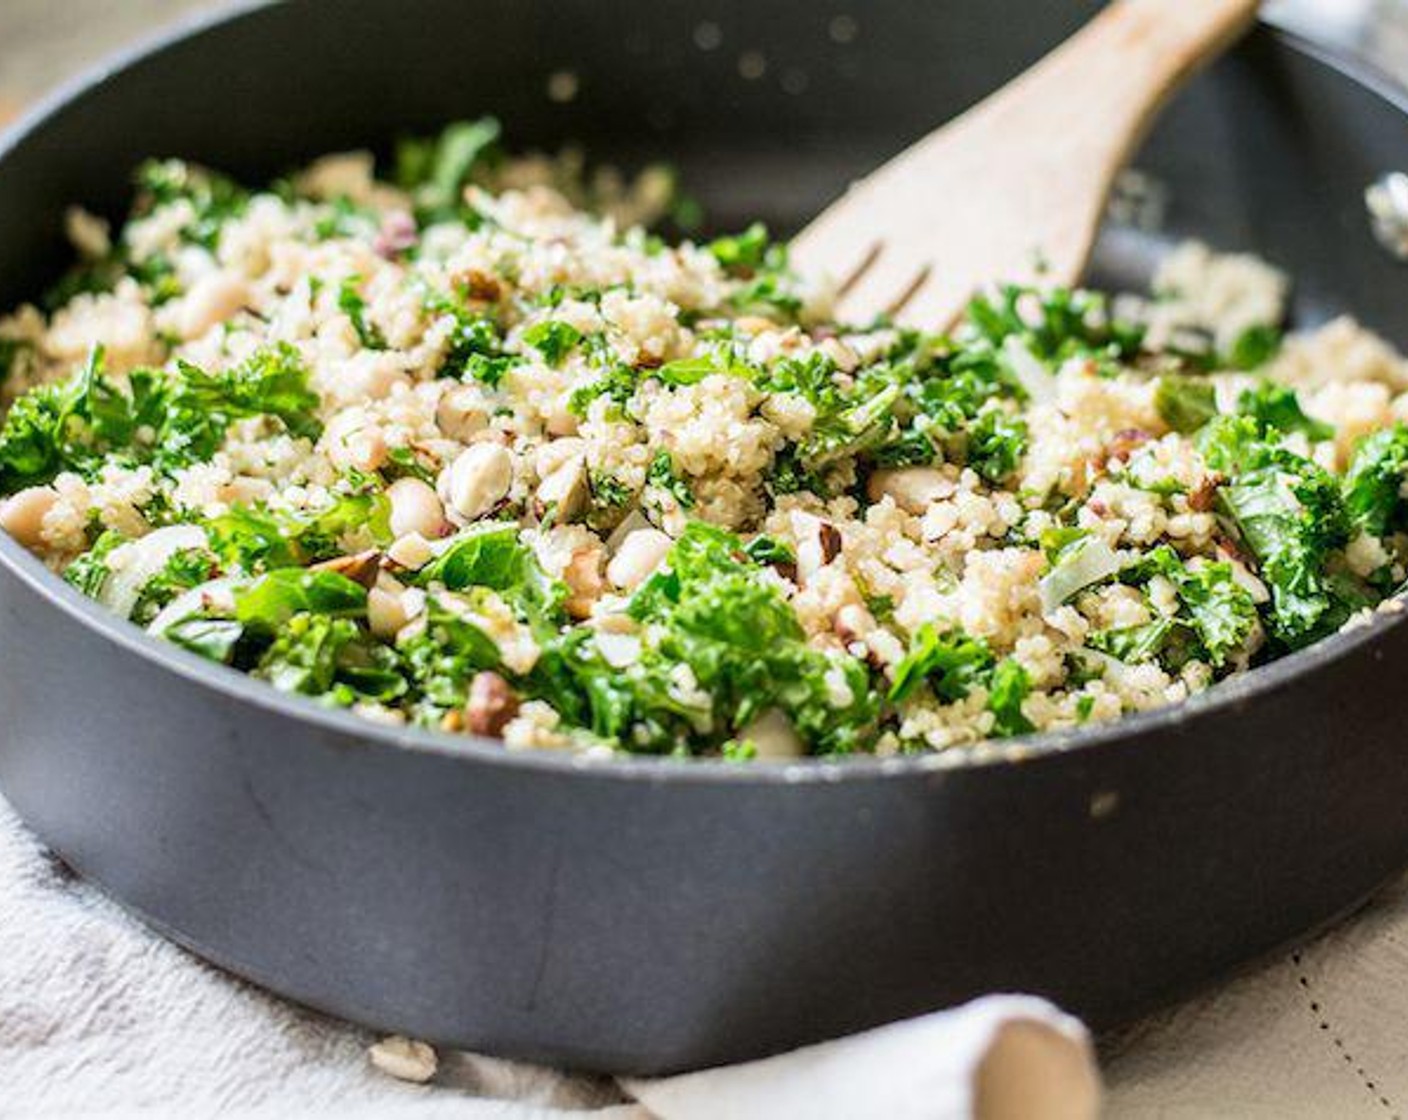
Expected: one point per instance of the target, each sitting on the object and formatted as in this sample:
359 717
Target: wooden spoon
1016 186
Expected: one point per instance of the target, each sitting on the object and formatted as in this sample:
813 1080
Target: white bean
913 489
353 441
415 508
212 299
479 479
22 516
461 413
639 555
386 613
774 736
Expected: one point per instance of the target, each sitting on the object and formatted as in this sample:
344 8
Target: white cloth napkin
99 1018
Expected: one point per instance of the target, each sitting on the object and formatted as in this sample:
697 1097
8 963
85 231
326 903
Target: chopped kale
437 169
949 661
1185 403
554 339
663 476
1010 685
1373 485
352 304
213 198
1277 408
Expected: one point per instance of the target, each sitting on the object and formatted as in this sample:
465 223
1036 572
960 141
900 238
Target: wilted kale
89 572
1277 408
441 658
1055 324
753 257
952 664
255 539
1164 639
554 339
720 647
1216 614
1374 483
435 170
493 557
475 351
745 253
352 304
949 661
168 419
1288 513
1185 403
663 476
213 198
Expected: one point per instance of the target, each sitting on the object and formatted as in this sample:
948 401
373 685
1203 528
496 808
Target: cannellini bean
353 441
913 489
560 420
22 516
639 555
479 479
557 453
460 413
385 613
774 736
212 299
415 508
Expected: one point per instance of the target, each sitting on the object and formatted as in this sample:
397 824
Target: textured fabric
1319 1032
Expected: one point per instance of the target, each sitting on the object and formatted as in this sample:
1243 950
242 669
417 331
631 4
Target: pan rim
1034 749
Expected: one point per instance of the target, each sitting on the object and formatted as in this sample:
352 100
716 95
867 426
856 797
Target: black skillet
655 915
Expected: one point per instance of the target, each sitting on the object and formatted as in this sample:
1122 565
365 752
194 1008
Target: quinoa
460 444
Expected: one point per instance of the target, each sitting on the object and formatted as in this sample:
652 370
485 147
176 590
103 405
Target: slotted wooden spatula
1017 184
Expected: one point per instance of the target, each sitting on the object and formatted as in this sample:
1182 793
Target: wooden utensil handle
1088 103
1102 87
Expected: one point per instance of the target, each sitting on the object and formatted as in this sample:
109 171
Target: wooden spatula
1017 184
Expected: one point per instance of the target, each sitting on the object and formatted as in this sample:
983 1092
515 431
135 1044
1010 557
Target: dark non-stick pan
656 915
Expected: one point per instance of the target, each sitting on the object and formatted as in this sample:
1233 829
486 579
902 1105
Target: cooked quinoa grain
466 448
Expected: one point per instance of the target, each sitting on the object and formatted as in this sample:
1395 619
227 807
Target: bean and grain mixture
465 447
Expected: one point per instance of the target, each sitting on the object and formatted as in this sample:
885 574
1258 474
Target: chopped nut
404 1058
411 552
478 285
492 703
565 490
1124 443
397 234
361 568
818 543
460 413
583 578
1202 496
